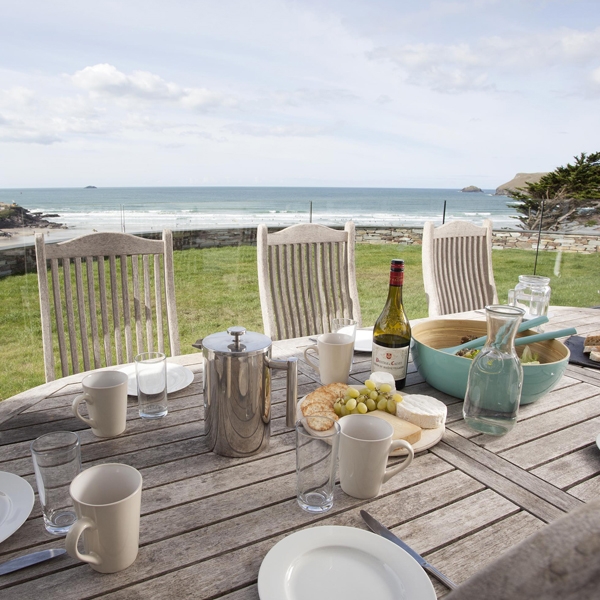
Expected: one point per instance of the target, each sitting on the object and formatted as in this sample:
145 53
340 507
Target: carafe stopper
237 332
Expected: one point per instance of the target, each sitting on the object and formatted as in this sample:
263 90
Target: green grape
391 407
351 404
337 407
382 397
352 392
355 412
382 404
344 411
361 408
369 384
371 405
397 398
385 388
373 395
364 391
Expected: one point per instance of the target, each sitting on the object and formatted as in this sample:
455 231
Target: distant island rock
14 216
90 187
518 181
471 188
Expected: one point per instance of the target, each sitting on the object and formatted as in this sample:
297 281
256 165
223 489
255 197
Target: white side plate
598 441
16 502
323 563
178 377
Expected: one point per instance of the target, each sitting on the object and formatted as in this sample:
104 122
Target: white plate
16 502
598 441
178 377
323 563
364 340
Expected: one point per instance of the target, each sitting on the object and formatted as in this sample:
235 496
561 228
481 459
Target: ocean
180 208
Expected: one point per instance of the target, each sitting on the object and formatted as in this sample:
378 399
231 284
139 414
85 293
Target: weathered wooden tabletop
208 521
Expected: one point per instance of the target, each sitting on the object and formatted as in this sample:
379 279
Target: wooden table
208 521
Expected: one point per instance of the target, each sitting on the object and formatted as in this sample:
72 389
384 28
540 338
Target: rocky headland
518 181
13 216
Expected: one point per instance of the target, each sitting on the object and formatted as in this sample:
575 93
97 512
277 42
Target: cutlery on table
14 564
376 527
480 341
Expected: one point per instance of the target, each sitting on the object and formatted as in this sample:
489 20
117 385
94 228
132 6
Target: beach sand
25 236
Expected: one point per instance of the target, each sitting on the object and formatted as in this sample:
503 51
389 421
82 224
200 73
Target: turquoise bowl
449 373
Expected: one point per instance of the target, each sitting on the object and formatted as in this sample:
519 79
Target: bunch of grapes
367 399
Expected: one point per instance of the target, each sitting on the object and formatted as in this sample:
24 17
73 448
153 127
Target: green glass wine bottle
391 333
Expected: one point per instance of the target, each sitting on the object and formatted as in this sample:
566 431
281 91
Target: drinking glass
56 462
317 440
151 373
532 294
496 375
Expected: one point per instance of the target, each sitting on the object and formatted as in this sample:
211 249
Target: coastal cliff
13 216
518 181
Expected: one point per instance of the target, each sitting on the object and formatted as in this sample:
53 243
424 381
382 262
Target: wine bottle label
390 360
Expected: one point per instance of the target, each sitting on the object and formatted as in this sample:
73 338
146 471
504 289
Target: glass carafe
496 376
532 294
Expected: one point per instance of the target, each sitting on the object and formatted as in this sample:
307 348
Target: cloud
293 130
107 80
484 63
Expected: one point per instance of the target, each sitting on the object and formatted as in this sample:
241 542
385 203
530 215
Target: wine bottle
391 333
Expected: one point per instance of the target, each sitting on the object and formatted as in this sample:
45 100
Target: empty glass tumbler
532 294
56 462
151 373
496 376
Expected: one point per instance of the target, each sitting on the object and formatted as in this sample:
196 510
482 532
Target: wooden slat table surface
208 521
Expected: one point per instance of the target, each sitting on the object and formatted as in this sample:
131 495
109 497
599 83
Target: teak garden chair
91 310
306 277
457 267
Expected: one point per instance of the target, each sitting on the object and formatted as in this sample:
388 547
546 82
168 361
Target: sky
347 93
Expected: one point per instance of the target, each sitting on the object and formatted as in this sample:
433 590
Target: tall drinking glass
56 462
317 440
495 376
151 373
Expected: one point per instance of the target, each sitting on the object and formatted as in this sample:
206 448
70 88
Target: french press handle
291 367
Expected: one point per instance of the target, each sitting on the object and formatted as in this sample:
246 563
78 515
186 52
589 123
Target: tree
567 193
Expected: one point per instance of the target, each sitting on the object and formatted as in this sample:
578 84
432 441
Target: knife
376 527
14 564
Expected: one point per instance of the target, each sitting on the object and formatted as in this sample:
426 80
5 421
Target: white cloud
292 130
486 62
107 80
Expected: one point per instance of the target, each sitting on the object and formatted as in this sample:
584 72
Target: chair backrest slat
457 267
89 267
304 279
106 333
83 333
137 304
148 304
111 295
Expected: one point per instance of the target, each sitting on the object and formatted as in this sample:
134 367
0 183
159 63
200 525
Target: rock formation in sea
471 188
13 216
518 181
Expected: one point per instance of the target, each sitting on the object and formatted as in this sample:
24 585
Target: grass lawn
218 287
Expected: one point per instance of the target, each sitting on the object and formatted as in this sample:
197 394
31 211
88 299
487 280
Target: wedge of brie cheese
424 411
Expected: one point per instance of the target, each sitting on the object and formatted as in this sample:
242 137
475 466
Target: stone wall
20 260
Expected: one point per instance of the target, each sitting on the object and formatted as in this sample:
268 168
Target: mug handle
73 538
389 473
310 362
75 408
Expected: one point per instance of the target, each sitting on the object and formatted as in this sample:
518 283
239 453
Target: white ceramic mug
365 445
105 394
335 352
107 500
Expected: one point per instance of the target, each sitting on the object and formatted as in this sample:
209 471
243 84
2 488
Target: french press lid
237 341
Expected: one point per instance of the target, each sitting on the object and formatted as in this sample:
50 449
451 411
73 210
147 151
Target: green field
218 287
